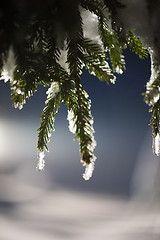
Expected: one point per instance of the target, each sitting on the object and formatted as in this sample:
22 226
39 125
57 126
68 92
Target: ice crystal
41 162
156 145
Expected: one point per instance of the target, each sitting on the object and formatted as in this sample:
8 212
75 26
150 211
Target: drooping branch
33 40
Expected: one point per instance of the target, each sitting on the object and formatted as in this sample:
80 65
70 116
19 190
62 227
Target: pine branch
152 91
37 66
56 94
36 33
152 94
78 104
111 45
94 49
81 124
136 46
100 69
48 116
26 79
154 122
95 62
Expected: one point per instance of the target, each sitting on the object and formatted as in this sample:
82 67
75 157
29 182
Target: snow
19 105
93 144
88 171
5 76
19 91
90 26
72 121
155 74
156 145
53 90
41 162
118 70
9 65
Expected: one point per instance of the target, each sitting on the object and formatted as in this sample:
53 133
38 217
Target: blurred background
120 201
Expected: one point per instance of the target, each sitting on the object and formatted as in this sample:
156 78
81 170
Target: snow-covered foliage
51 43
52 91
142 18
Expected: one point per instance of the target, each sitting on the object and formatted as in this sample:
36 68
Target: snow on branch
58 40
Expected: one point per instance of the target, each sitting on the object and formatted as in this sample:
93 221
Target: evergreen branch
94 49
81 124
152 91
32 32
75 49
94 60
78 104
37 66
136 46
103 27
152 94
117 58
154 122
27 78
100 69
112 46
55 97
48 116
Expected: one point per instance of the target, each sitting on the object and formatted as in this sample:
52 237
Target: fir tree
34 35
